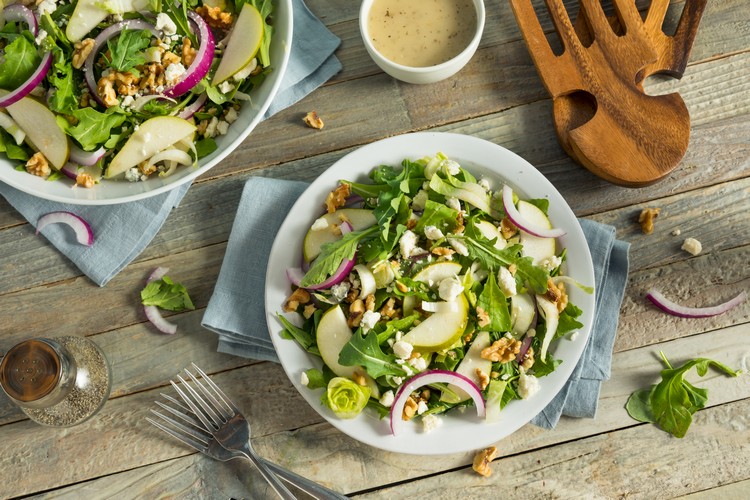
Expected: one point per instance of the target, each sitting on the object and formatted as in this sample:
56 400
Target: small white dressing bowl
426 74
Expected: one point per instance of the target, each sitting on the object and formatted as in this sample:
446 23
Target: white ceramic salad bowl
460 431
110 192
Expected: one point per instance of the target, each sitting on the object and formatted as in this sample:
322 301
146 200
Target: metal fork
189 430
220 422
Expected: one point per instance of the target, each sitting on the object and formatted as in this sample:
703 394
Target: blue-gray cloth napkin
236 310
123 231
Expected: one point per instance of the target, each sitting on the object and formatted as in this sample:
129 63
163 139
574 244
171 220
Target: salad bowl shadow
459 431
112 192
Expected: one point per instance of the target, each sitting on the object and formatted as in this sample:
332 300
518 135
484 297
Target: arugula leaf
567 321
315 379
333 254
304 336
364 350
494 302
166 294
11 149
395 325
438 215
671 403
19 61
492 258
125 52
265 7
93 128
63 99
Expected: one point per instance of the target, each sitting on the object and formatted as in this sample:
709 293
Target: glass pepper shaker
59 381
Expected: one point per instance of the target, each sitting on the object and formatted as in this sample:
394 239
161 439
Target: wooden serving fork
604 119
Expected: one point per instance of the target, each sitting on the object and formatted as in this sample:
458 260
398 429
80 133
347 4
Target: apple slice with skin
89 13
244 42
332 334
42 131
432 274
441 330
153 135
359 218
468 367
539 249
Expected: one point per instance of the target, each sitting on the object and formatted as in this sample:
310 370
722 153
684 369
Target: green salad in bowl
427 291
148 92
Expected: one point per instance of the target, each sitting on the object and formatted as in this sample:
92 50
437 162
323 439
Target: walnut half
483 459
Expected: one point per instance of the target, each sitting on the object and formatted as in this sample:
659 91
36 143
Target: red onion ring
70 170
18 12
157 274
84 234
524 349
194 107
204 57
433 377
101 40
26 87
674 309
154 316
88 158
517 219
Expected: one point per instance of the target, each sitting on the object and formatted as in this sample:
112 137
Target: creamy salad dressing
421 33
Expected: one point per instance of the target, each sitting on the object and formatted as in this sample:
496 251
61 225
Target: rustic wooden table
498 97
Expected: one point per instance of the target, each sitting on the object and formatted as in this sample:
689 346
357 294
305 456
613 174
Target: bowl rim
279 70
468 50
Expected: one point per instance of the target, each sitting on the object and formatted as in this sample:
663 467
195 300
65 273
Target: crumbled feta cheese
505 376
506 281
451 167
226 87
431 422
450 288
246 71
40 37
231 115
573 336
222 128
407 243
420 200
453 203
212 126
319 224
433 233
173 72
485 184
421 407
418 363
303 379
528 385
398 380
458 246
369 320
387 399
127 101
340 290
676 232
551 263
46 7
165 24
133 175
402 349
692 246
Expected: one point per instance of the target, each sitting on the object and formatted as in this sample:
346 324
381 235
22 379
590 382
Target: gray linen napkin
236 310
123 231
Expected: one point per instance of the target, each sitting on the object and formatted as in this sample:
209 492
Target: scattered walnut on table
312 120
646 219
482 461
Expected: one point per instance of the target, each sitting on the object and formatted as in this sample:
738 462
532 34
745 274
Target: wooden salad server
608 123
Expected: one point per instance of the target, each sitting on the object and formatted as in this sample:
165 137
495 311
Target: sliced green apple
359 218
441 330
432 274
89 13
468 367
522 311
154 135
539 249
244 42
42 131
548 310
332 335
491 232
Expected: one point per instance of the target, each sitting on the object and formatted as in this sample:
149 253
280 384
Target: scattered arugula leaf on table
672 402
166 294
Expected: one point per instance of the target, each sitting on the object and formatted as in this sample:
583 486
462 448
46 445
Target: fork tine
218 418
194 407
185 417
216 388
185 438
217 406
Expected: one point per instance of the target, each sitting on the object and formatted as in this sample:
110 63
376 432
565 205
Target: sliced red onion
194 107
202 62
84 234
337 277
157 274
674 309
88 158
154 316
428 378
524 349
18 12
101 39
70 170
141 101
346 227
517 219
6 99
440 306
